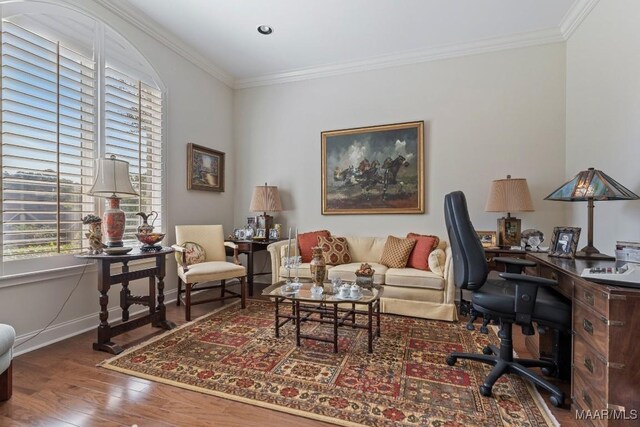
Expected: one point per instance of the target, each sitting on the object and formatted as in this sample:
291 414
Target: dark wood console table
157 313
605 368
249 248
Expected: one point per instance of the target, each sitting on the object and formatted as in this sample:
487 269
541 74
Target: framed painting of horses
373 170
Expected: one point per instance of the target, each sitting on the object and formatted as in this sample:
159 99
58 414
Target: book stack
628 251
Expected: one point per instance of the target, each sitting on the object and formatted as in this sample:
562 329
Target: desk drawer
592 327
587 399
591 366
565 283
593 297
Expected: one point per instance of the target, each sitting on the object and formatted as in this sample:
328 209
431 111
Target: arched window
73 90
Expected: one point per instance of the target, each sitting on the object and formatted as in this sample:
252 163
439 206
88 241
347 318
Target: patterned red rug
234 354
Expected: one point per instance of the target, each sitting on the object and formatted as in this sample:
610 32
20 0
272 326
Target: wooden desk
492 253
249 248
156 315
605 368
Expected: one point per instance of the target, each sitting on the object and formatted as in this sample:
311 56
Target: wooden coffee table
329 308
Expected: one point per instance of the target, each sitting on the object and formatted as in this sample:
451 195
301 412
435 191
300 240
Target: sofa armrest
449 284
275 250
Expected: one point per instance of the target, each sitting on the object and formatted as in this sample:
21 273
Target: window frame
21 267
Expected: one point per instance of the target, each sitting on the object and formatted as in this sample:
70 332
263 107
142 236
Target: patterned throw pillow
195 253
396 252
307 241
419 257
335 250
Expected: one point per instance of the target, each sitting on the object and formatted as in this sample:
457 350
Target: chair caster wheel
470 327
451 360
484 330
548 371
487 350
557 400
485 391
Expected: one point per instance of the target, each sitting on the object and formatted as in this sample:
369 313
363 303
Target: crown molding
407 58
578 11
136 18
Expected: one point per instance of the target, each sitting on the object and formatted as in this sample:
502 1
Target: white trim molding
575 15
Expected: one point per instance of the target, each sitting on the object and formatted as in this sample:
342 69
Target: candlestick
289 247
297 261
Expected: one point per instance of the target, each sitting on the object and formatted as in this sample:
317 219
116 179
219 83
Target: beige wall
603 107
486 116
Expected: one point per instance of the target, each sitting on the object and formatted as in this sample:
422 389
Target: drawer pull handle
588 364
588 297
587 399
587 326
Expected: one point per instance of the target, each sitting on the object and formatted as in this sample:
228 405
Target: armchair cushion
194 253
335 250
396 252
211 271
419 257
7 338
307 241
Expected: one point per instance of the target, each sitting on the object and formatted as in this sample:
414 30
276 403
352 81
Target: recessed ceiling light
265 30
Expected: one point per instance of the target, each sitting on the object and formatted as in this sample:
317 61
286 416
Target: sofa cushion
425 243
413 278
307 241
396 252
365 249
437 258
335 250
348 272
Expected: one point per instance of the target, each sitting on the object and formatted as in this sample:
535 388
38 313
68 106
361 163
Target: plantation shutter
48 144
133 129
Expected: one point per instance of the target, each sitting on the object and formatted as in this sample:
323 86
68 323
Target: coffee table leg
297 308
335 328
378 318
353 316
370 326
277 317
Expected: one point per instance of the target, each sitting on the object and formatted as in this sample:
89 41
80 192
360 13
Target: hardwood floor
59 385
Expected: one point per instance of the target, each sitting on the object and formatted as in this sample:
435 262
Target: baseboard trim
73 327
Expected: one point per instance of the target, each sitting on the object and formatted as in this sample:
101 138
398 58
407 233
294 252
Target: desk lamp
112 181
265 199
588 186
509 195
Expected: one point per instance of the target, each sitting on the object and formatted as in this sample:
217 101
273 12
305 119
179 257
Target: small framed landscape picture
564 242
487 238
205 168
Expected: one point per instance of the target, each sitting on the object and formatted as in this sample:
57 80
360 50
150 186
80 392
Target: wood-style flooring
59 385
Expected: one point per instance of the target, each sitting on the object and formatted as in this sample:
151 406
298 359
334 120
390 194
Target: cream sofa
407 291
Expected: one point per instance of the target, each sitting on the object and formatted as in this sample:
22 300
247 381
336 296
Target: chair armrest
183 251
276 259
515 265
525 298
233 246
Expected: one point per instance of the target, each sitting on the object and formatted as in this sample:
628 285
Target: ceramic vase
317 266
114 220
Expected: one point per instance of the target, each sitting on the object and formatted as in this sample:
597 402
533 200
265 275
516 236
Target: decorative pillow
436 261
307 241
335 250
396 252
425 243
195 253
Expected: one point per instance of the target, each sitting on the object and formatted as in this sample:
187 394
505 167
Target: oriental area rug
233 353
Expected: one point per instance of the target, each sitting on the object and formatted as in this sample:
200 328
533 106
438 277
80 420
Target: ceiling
314 38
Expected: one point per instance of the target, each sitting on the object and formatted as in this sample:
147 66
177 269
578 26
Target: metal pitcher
147 228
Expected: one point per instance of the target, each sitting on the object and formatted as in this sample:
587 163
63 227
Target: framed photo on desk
564 242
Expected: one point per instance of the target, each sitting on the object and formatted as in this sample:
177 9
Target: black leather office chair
512 298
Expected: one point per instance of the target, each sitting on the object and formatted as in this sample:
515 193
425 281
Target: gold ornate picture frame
205 168
373 170
488 238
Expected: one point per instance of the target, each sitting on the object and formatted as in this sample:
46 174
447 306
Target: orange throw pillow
419 257
308 241
335 250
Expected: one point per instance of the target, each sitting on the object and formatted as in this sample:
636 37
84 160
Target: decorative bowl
150 239
364 280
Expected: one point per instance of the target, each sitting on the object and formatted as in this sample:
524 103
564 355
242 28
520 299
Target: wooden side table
249 248
157 313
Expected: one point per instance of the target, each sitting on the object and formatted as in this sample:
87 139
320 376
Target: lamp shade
265 199
112 179
509 195
591 184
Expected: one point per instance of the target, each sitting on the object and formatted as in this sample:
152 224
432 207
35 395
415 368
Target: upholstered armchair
7 338
203 260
